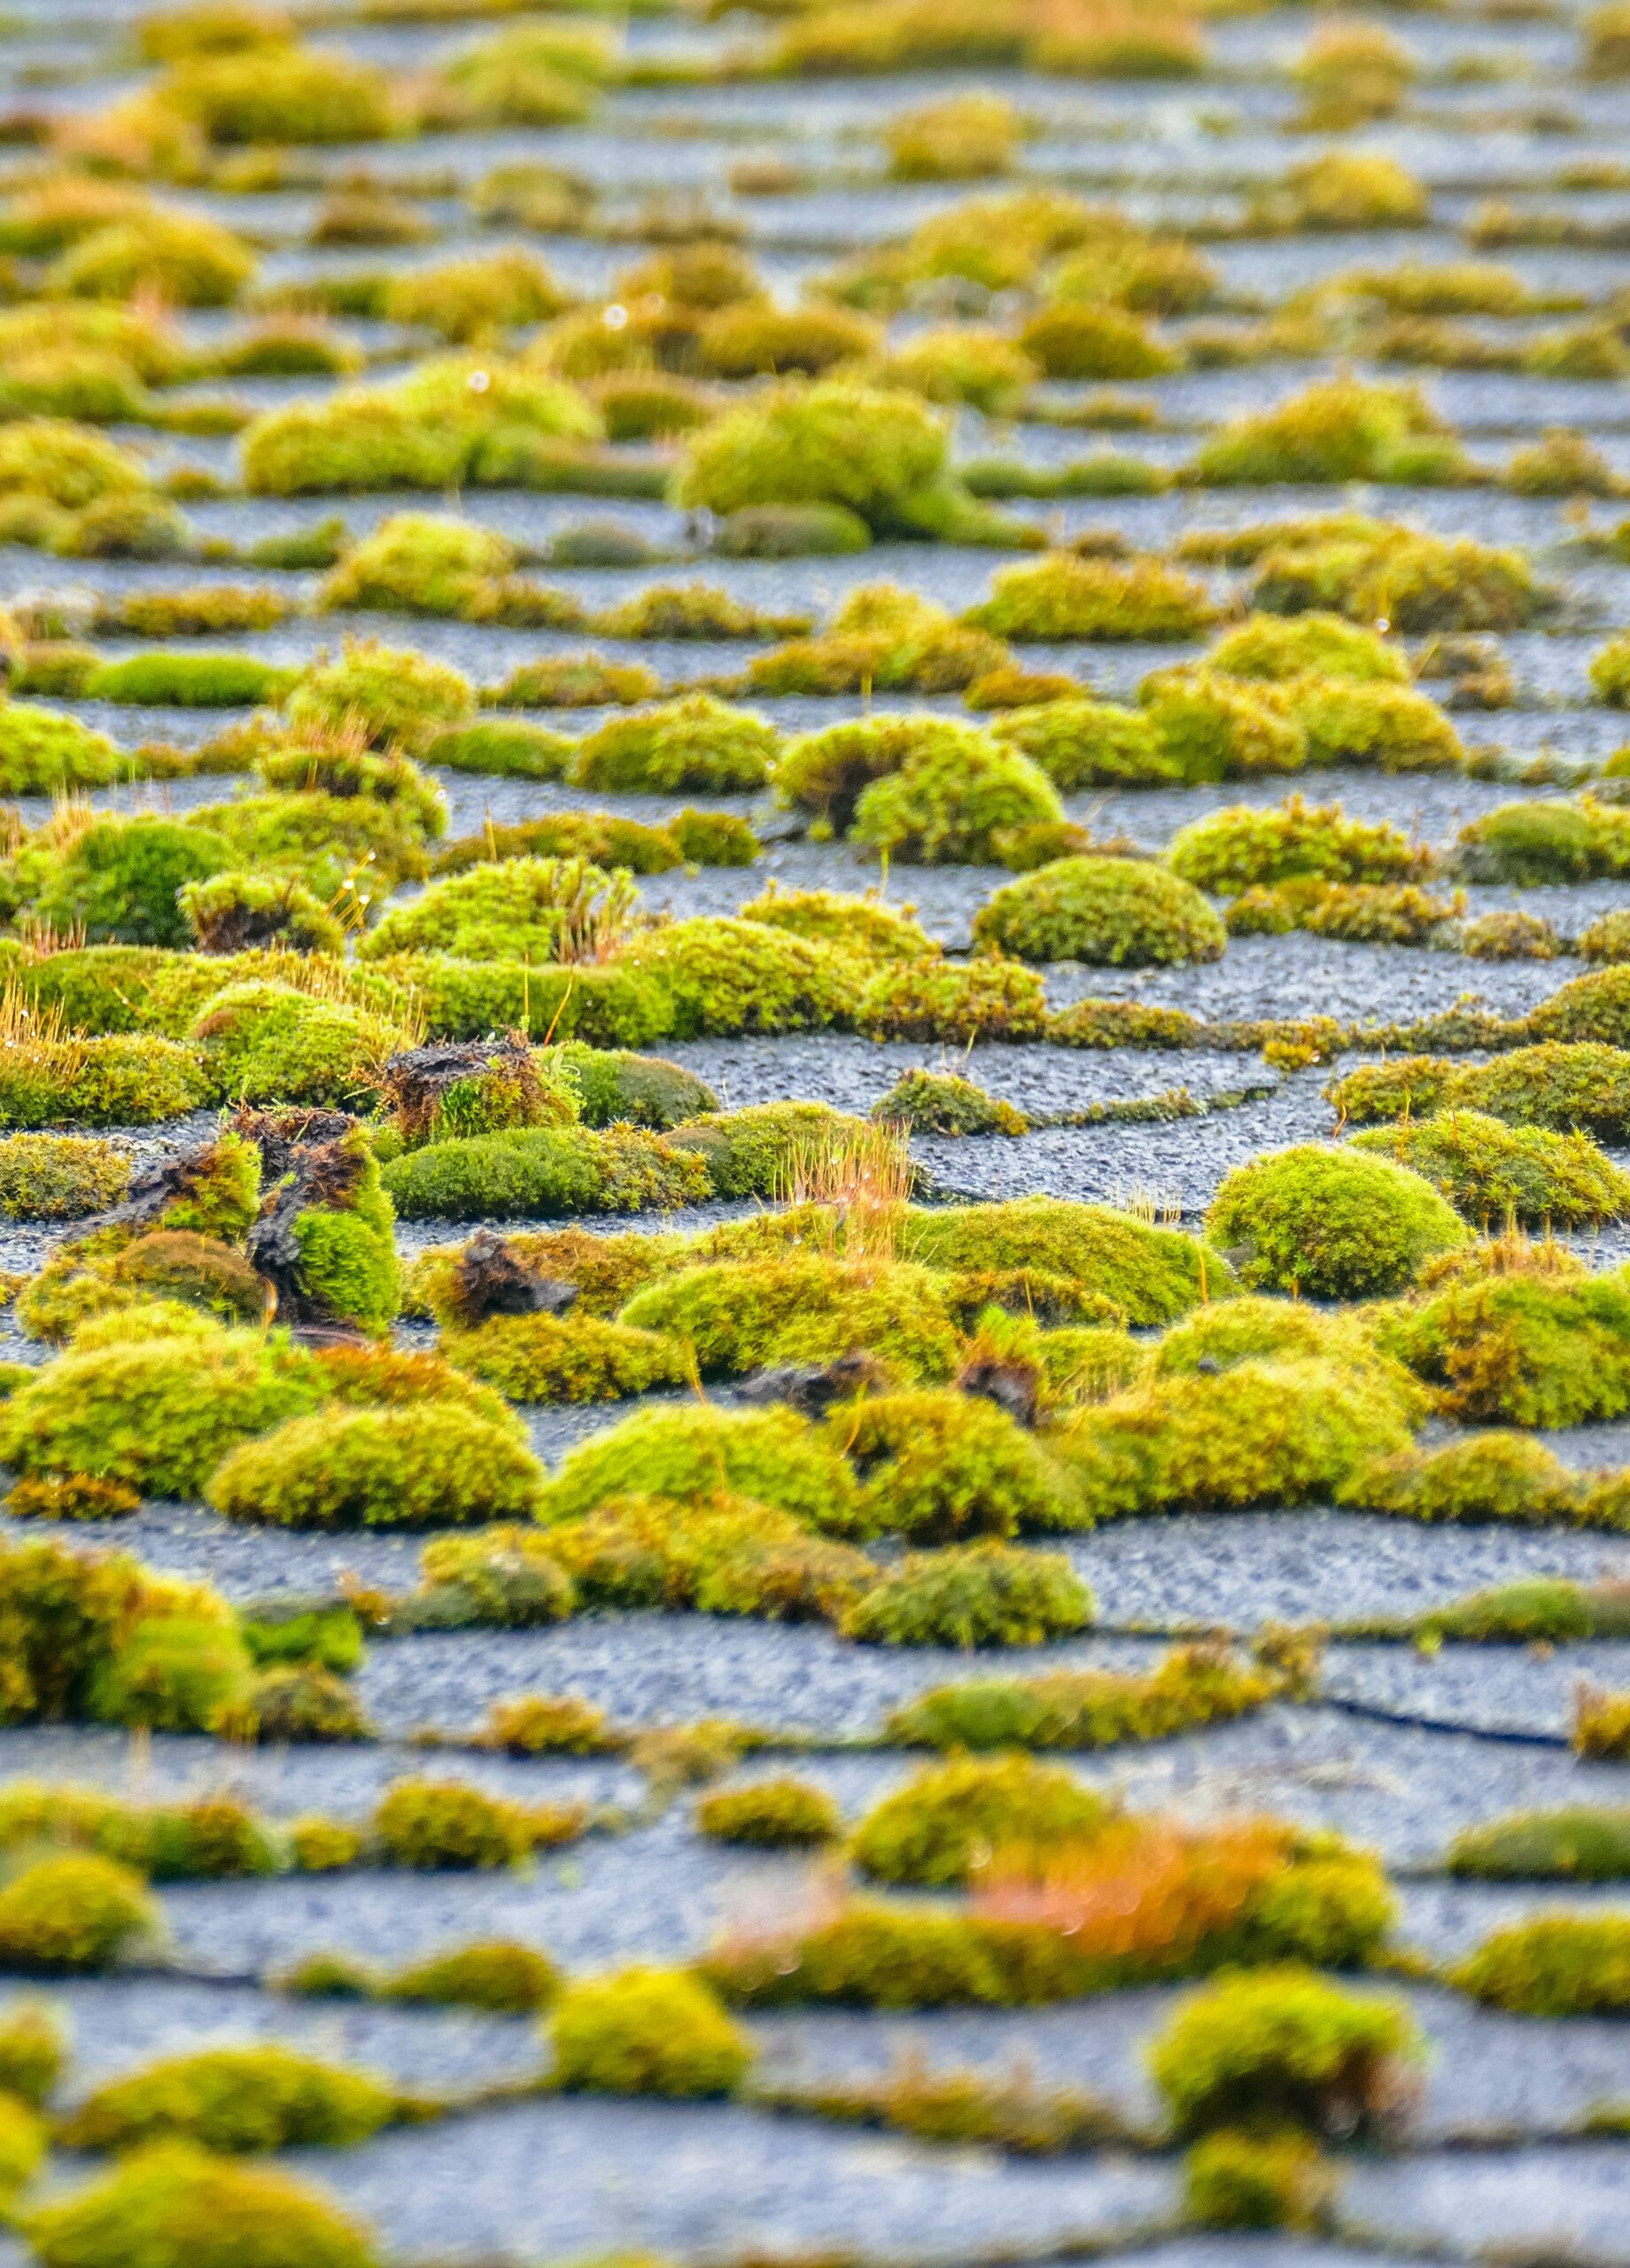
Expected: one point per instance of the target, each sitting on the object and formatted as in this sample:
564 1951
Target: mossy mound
1111 912
1330 1223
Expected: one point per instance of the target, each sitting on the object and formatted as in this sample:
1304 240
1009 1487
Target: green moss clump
1212 727
434 1464
519 909
1237 2178
944 1824
182 260
422 563
1581 1845
785 1814
947 804
826 773
42 753
646 2031
59 1178
66 1916
400 700
957 1003
973 1595
1084 1709
1152 1275
434 1826
716 1555
1112 912
1276 651
940 1102
545 1170
1537 1348
1330 1223
178 2207
1544 842
881 640
120 879
1285 2046
882 456
1260 1433
1082 744
1066 597
1558 1084
240 913
159 1415
936 1468
569 1358
233 2099
972 363
754 340
691 1454
1490 1172
270 1043
163 681
695 745
1554 1965
33 2050
1337 428
616 1088
721 977
1244 845
801 1307
1073 340
505 748
584 681
1609 672
498 1978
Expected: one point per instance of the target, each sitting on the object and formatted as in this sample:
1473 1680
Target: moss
940 1827
603 1271
1084 1709
213 1839
972 364
188 681
68 1916
61 463
286 1630
1329 1224
1580 1845
42 753
940 1102
235 913
57 1177
800 1308
400 700
754 340
717 1555
954 1002
159 1415
1087 744
435 1826
882 456
1272 648
947 804
544 1170
71 1497
498 1978
505 747
1337 428
1601 1724
1237 2178
721 977
973 1595
1558 1084
420 562
1152 1275
1209 728
233 2099
33 2051
473 300
826 773
532 74
1286 2047
1244 844
583 682
1529 1348
269 1042
506 1577
1070 340
566 1359
790 532
1368 570
120 878
176 1673
521 909
693 1453
785 1814
187 2208
1554 1965
1066 597
697 744
550 1724
1490 1172
1538 1609
936 1468
122 1081
646 2031
1283 1431
1510 935
183 259
435 1464
1106 911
